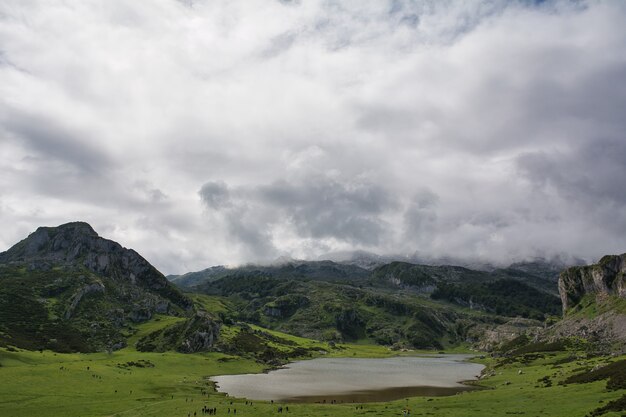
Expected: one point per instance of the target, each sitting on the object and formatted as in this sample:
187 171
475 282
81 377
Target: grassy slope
33 305
33 383
590 307
157 323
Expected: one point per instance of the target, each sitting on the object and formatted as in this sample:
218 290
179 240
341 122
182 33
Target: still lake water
355 380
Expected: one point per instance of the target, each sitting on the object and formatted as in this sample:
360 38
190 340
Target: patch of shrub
616 405
557 346
562 361
614 372
141 363
505 297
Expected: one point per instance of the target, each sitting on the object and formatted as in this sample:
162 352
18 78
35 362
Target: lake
355 380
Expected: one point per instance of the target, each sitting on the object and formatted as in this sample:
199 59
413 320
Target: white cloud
474 127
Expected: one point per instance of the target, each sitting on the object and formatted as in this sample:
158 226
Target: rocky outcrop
200 334
606 278
488 338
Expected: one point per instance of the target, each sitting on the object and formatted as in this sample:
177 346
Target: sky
205 132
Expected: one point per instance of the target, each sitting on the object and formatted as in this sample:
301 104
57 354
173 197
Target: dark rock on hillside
606 278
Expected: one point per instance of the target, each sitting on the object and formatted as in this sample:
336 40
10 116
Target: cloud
325 208
315 209
204 132
215 194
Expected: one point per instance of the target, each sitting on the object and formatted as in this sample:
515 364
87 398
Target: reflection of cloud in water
341 376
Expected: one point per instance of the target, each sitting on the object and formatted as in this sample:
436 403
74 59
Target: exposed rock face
607 277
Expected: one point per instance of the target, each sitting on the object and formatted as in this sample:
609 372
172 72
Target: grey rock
200 334
606 278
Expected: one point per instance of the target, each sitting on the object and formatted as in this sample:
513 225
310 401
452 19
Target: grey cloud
280 44
49 139
592 173
244 224
533 93
420 218
322 208
487 130
255 239
215 194
317 208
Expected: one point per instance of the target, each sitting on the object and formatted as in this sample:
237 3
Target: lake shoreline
357 380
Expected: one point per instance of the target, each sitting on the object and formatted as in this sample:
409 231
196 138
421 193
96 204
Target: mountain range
66 288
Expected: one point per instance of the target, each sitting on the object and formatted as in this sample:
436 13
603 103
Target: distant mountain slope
362 268
338 312
66 288
396 303
543 268
389 315
425 277
362 259
509 292
303 270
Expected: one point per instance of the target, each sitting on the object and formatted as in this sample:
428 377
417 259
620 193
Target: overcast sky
205 132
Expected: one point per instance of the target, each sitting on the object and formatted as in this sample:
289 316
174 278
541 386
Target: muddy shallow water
355 380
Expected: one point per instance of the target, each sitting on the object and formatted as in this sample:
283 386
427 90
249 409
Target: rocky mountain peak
50 242
77 245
